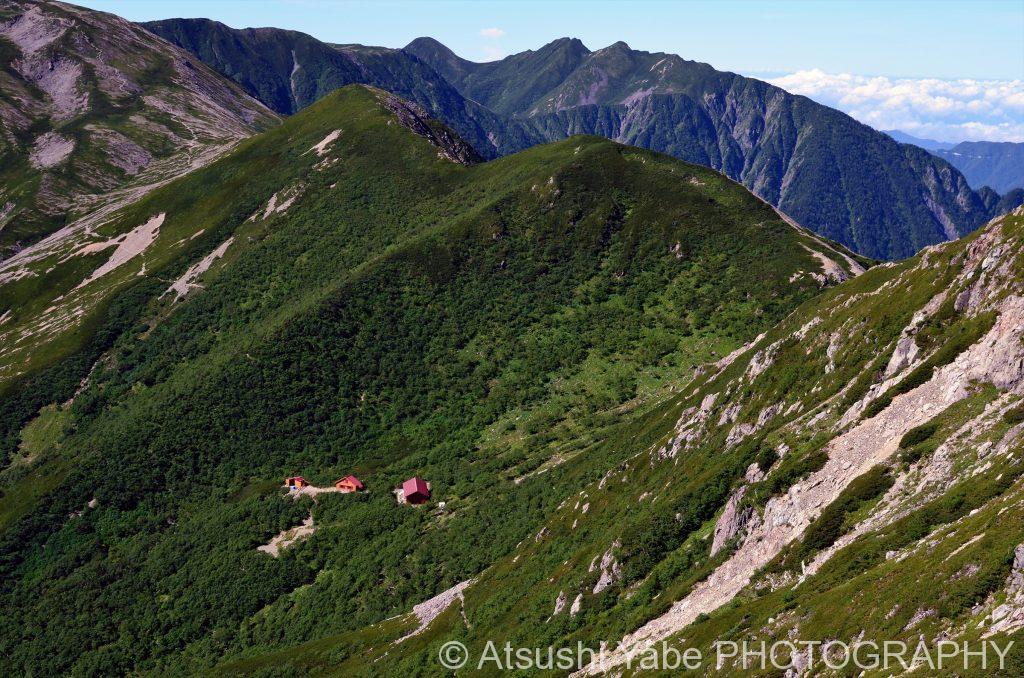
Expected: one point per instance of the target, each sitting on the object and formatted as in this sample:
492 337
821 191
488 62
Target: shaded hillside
369 306
999 165
95 111
820 166
288 71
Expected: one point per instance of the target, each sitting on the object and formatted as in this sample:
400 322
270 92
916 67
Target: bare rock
905 354
413 117
733 520
610 570
560 603
50 150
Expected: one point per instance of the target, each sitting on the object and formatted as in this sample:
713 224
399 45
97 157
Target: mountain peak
566 42
427 42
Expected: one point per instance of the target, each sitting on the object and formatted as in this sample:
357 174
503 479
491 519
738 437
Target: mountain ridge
996 164
892 201
95 106
392 312
289 70
832 174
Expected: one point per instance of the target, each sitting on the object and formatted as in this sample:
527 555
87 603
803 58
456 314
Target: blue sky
822 47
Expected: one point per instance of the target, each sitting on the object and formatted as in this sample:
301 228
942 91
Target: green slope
494 328
878 498
831 173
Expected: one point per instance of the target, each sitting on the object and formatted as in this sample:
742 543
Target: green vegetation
792 470
957 339
1014 415
918 442
405 315
918 435
834 520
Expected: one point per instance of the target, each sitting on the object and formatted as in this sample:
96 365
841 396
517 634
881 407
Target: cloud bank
492 32
947 110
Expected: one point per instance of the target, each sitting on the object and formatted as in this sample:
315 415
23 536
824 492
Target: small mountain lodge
349 484
295 482
415 491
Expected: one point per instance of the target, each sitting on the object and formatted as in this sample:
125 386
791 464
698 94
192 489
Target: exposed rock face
1016 580
428 610
154 102
610 570
288 537
415 118
128 246
187 282
905 354
1009 616
560 603
50 150
733 520
989 267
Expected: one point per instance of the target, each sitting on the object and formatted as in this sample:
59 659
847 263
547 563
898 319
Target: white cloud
948 110
489 53
493 33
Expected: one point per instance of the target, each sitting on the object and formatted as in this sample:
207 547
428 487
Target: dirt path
288 537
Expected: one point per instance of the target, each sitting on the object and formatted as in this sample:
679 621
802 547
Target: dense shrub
829 526
1014 415
793 470
917 435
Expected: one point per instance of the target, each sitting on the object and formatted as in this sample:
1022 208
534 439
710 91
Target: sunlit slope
854 474
344 294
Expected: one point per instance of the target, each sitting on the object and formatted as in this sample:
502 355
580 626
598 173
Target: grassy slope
655 515
404 315
831 173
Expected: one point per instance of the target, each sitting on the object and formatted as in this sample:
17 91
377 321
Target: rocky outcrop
142 100
996 359
428 610
1009 616
734 521
611 572
415 118
560 603
289 537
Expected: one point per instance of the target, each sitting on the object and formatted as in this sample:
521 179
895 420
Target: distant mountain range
838 177
996 164
999 165
926 144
